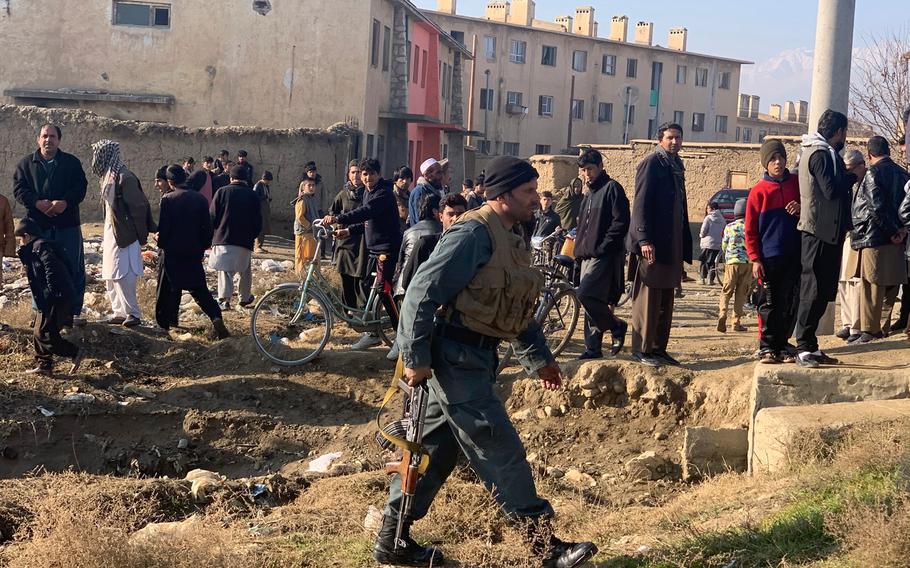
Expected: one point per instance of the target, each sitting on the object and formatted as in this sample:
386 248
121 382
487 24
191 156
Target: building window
701 77
698 122
374 43
510 148
578 109
548 56
141 14
761 135
724 82
517 51
486 99
545 105
632 68
483 146
386 47
416 63
631 114
423 71
380 148
444 151
605 112
489 47
608 66
369 152
720 123
580 60
444 79
737 134
747 135
458 36
542 149
681 71
408 51
513 98
679 117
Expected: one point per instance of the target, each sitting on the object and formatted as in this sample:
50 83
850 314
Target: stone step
774 429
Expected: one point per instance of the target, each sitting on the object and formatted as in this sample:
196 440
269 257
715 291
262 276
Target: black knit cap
505 173
770 147
27 226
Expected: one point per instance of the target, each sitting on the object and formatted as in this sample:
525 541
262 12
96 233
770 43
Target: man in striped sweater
773 246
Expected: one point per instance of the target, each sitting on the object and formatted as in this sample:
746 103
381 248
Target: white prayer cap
429 163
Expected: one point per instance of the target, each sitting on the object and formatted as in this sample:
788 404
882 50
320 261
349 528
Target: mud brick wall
708 166
146 146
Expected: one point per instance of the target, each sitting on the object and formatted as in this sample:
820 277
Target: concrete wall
306 63
146 146
533 79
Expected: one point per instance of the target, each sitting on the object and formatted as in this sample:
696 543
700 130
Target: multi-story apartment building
380 65
539 87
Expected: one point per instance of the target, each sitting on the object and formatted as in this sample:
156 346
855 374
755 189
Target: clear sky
778 35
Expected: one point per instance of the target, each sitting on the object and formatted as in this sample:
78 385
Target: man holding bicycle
477 289
379 215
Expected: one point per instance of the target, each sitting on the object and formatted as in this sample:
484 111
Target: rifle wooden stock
409 473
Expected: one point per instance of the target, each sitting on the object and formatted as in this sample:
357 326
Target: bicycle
292 323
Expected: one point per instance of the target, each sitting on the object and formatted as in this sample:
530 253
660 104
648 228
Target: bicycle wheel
558 319
387 331
289 328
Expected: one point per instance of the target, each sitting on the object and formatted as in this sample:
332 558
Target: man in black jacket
660 241
379 215
51 184
237 221
184 233
51 283
602 227
824 188
878 235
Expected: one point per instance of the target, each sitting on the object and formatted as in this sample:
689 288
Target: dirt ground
163 405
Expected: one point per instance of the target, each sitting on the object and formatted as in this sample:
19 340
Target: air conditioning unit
516 109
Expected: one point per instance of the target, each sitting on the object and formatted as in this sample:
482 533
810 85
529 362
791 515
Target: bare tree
879 89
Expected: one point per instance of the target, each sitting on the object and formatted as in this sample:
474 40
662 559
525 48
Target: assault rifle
414 457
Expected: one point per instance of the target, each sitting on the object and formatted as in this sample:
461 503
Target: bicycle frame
357 318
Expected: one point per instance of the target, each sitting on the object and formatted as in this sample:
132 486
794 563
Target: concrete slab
708 451
777 386
775 428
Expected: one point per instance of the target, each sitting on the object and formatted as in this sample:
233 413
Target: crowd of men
459 265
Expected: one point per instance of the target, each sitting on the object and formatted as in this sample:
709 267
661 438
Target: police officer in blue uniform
476 290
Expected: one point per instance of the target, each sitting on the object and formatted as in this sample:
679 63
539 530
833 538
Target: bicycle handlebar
322 231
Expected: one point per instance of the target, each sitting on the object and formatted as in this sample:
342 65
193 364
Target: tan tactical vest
499 301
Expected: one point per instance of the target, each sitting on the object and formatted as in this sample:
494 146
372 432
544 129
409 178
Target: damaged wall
147 146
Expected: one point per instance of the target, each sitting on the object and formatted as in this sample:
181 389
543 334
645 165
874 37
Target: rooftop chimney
619 28
678 37
790 111
753 106
446 6
497 11
802 112
584 21
565 22
644 33
522 12
775 112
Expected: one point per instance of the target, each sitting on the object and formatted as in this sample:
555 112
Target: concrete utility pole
833 55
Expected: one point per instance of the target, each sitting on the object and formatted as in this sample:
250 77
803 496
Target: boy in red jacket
773 245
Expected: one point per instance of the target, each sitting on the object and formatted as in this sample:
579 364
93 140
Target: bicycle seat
564 260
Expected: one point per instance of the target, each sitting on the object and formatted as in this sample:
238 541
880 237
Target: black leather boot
409 553
555 552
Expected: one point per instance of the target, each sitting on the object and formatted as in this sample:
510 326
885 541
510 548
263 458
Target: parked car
726 198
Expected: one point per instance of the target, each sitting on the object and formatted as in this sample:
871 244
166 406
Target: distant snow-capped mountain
786 76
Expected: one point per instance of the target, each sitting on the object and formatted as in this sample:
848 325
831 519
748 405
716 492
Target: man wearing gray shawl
127 223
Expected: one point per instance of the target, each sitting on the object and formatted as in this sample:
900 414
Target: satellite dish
628 94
